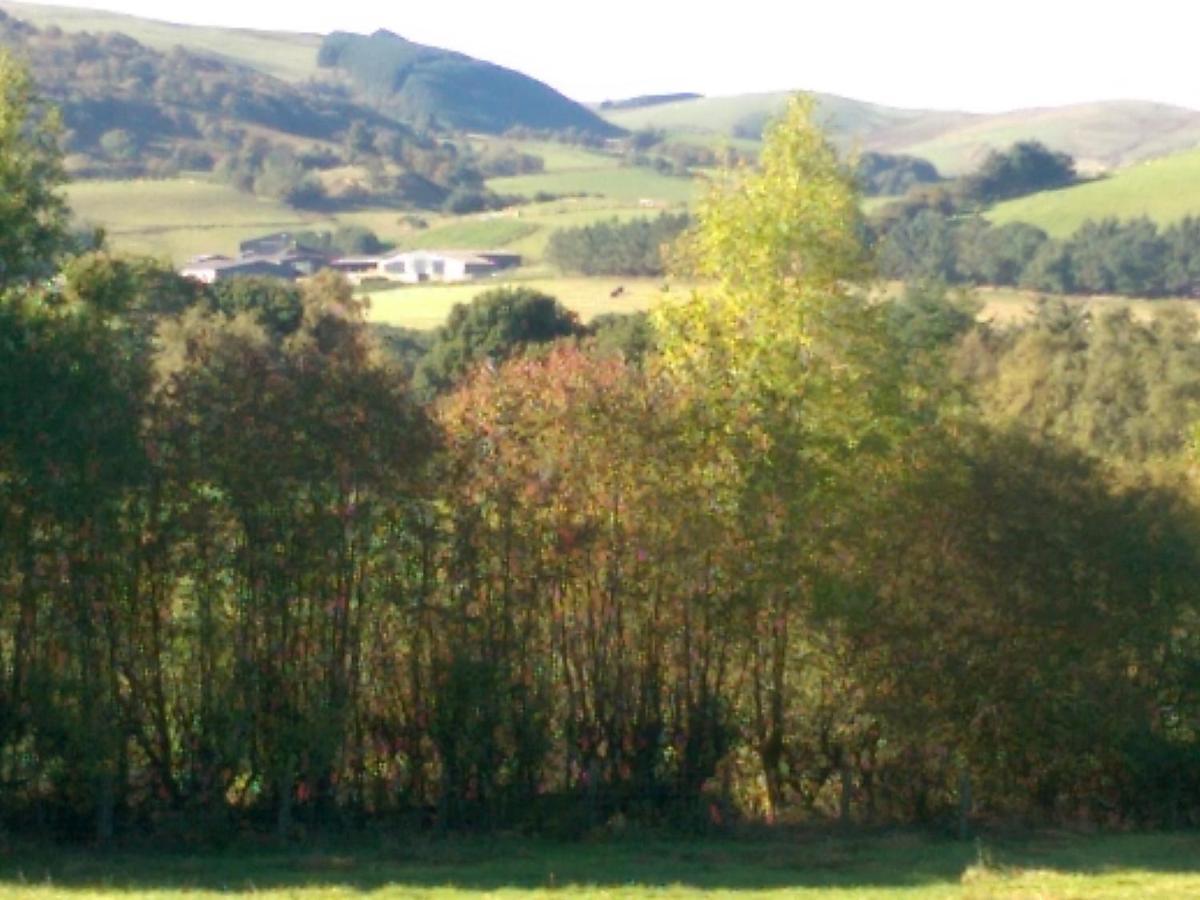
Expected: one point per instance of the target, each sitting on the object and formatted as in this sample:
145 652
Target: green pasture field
525 230
556 157
1165 190
1003 306
574 213
486 232
625 183
817 865
428 305
717 115
182 217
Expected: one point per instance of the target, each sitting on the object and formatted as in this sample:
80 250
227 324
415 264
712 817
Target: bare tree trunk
847 794
106 802
964 805
283 820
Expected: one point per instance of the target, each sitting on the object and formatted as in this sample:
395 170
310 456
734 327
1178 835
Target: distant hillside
1164 190
400 78
283 54
1100 136
108 81
430 85
646 100
132 111
746 115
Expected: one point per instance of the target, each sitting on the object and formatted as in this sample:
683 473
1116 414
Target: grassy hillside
744 116
1099 135
419 83
183 217
180 218
283 54
130 110
1163 189
556 157
627 184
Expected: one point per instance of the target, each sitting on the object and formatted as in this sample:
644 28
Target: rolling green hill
419 83
1164 189
407 80
108 81
1100 136
469 93
746 115
283 54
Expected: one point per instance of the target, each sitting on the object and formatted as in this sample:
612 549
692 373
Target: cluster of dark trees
634 247
892 175
869 562
939 232
500 161
1132 258
650 148
345 240
1027 167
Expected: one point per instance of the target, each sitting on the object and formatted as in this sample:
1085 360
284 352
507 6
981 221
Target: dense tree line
633 248
1132 258
892 175
939 232
1026 167
784 567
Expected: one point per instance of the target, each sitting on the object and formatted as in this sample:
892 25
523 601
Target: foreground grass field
818 865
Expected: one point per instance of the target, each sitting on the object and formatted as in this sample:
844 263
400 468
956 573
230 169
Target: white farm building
418 266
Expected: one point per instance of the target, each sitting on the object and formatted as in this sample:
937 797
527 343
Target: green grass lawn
802 865
1164 189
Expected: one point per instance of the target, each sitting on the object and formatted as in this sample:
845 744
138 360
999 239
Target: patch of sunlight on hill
1165 190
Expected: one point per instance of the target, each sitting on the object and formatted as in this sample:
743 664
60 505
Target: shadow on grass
771 861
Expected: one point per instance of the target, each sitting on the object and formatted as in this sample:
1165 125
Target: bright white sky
960 54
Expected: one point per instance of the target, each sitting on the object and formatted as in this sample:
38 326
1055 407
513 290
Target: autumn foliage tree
792 552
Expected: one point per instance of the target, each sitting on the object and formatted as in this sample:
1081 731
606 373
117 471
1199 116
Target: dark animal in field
618 291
